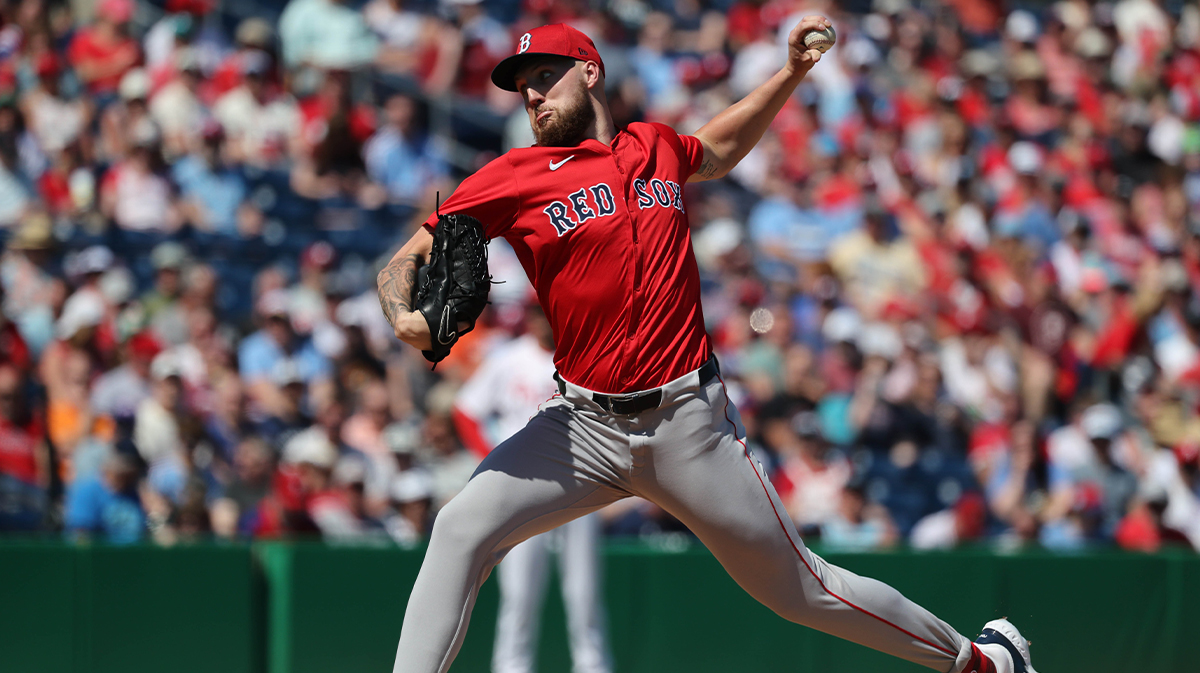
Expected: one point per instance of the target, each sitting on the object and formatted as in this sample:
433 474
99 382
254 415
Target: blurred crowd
954 289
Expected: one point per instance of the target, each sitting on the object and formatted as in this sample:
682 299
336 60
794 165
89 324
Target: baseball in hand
821 40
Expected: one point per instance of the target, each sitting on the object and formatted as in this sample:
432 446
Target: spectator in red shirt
13 350
22 451
335 128
484 43
332 100
1027 109
103 52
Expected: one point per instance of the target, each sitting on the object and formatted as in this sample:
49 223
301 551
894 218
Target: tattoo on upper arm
396 286
707 169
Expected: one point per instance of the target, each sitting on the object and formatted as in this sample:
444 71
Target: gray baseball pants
688 456
523 577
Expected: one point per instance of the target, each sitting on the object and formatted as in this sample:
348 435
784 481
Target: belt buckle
604 401
619 401
632 399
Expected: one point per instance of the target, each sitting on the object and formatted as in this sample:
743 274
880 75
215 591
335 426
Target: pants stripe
797 549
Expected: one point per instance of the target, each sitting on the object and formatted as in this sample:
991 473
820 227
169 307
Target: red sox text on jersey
602 233
667 194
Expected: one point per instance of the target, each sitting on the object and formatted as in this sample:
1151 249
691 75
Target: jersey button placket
635 295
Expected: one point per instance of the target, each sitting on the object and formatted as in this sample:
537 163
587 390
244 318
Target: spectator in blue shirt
214 190
273 348
107 505
785 228
655 65
409 164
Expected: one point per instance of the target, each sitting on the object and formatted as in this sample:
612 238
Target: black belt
636 403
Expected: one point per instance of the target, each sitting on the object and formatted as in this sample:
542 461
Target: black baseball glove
453 286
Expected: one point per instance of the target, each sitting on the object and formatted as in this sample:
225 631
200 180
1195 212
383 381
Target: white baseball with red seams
821 40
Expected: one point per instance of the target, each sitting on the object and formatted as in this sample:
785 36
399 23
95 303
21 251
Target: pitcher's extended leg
749 532
531 483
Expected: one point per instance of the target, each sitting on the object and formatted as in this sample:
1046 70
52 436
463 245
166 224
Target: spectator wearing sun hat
411 496
169 260
67 368
156 431
121 117
346 514
253 36
1103 487
30 289
76 331
310 458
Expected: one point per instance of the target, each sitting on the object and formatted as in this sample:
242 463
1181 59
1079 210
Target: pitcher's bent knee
462 531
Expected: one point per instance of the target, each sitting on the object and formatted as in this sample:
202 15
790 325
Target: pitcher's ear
592 74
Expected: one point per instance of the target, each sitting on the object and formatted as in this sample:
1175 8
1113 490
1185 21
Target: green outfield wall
310 608
100 609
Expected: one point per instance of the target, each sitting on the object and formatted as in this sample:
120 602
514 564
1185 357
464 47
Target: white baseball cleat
1005 646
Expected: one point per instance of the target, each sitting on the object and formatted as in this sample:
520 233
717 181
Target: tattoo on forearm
707 169
396 286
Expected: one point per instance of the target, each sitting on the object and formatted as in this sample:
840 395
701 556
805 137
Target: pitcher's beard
568 126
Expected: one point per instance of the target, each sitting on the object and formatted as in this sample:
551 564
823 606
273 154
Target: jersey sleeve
489 195
689 149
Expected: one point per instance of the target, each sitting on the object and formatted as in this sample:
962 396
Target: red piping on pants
797 549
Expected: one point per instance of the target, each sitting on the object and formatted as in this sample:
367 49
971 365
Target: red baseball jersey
603 235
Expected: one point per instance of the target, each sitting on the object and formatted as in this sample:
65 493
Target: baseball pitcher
597 217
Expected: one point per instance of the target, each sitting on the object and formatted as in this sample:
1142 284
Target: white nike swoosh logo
444 328
556 166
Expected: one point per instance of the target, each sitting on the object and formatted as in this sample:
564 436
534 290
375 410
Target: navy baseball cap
557 39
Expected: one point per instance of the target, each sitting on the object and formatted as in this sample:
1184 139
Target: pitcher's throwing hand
800 57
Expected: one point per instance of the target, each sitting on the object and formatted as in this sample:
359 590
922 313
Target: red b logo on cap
557 39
